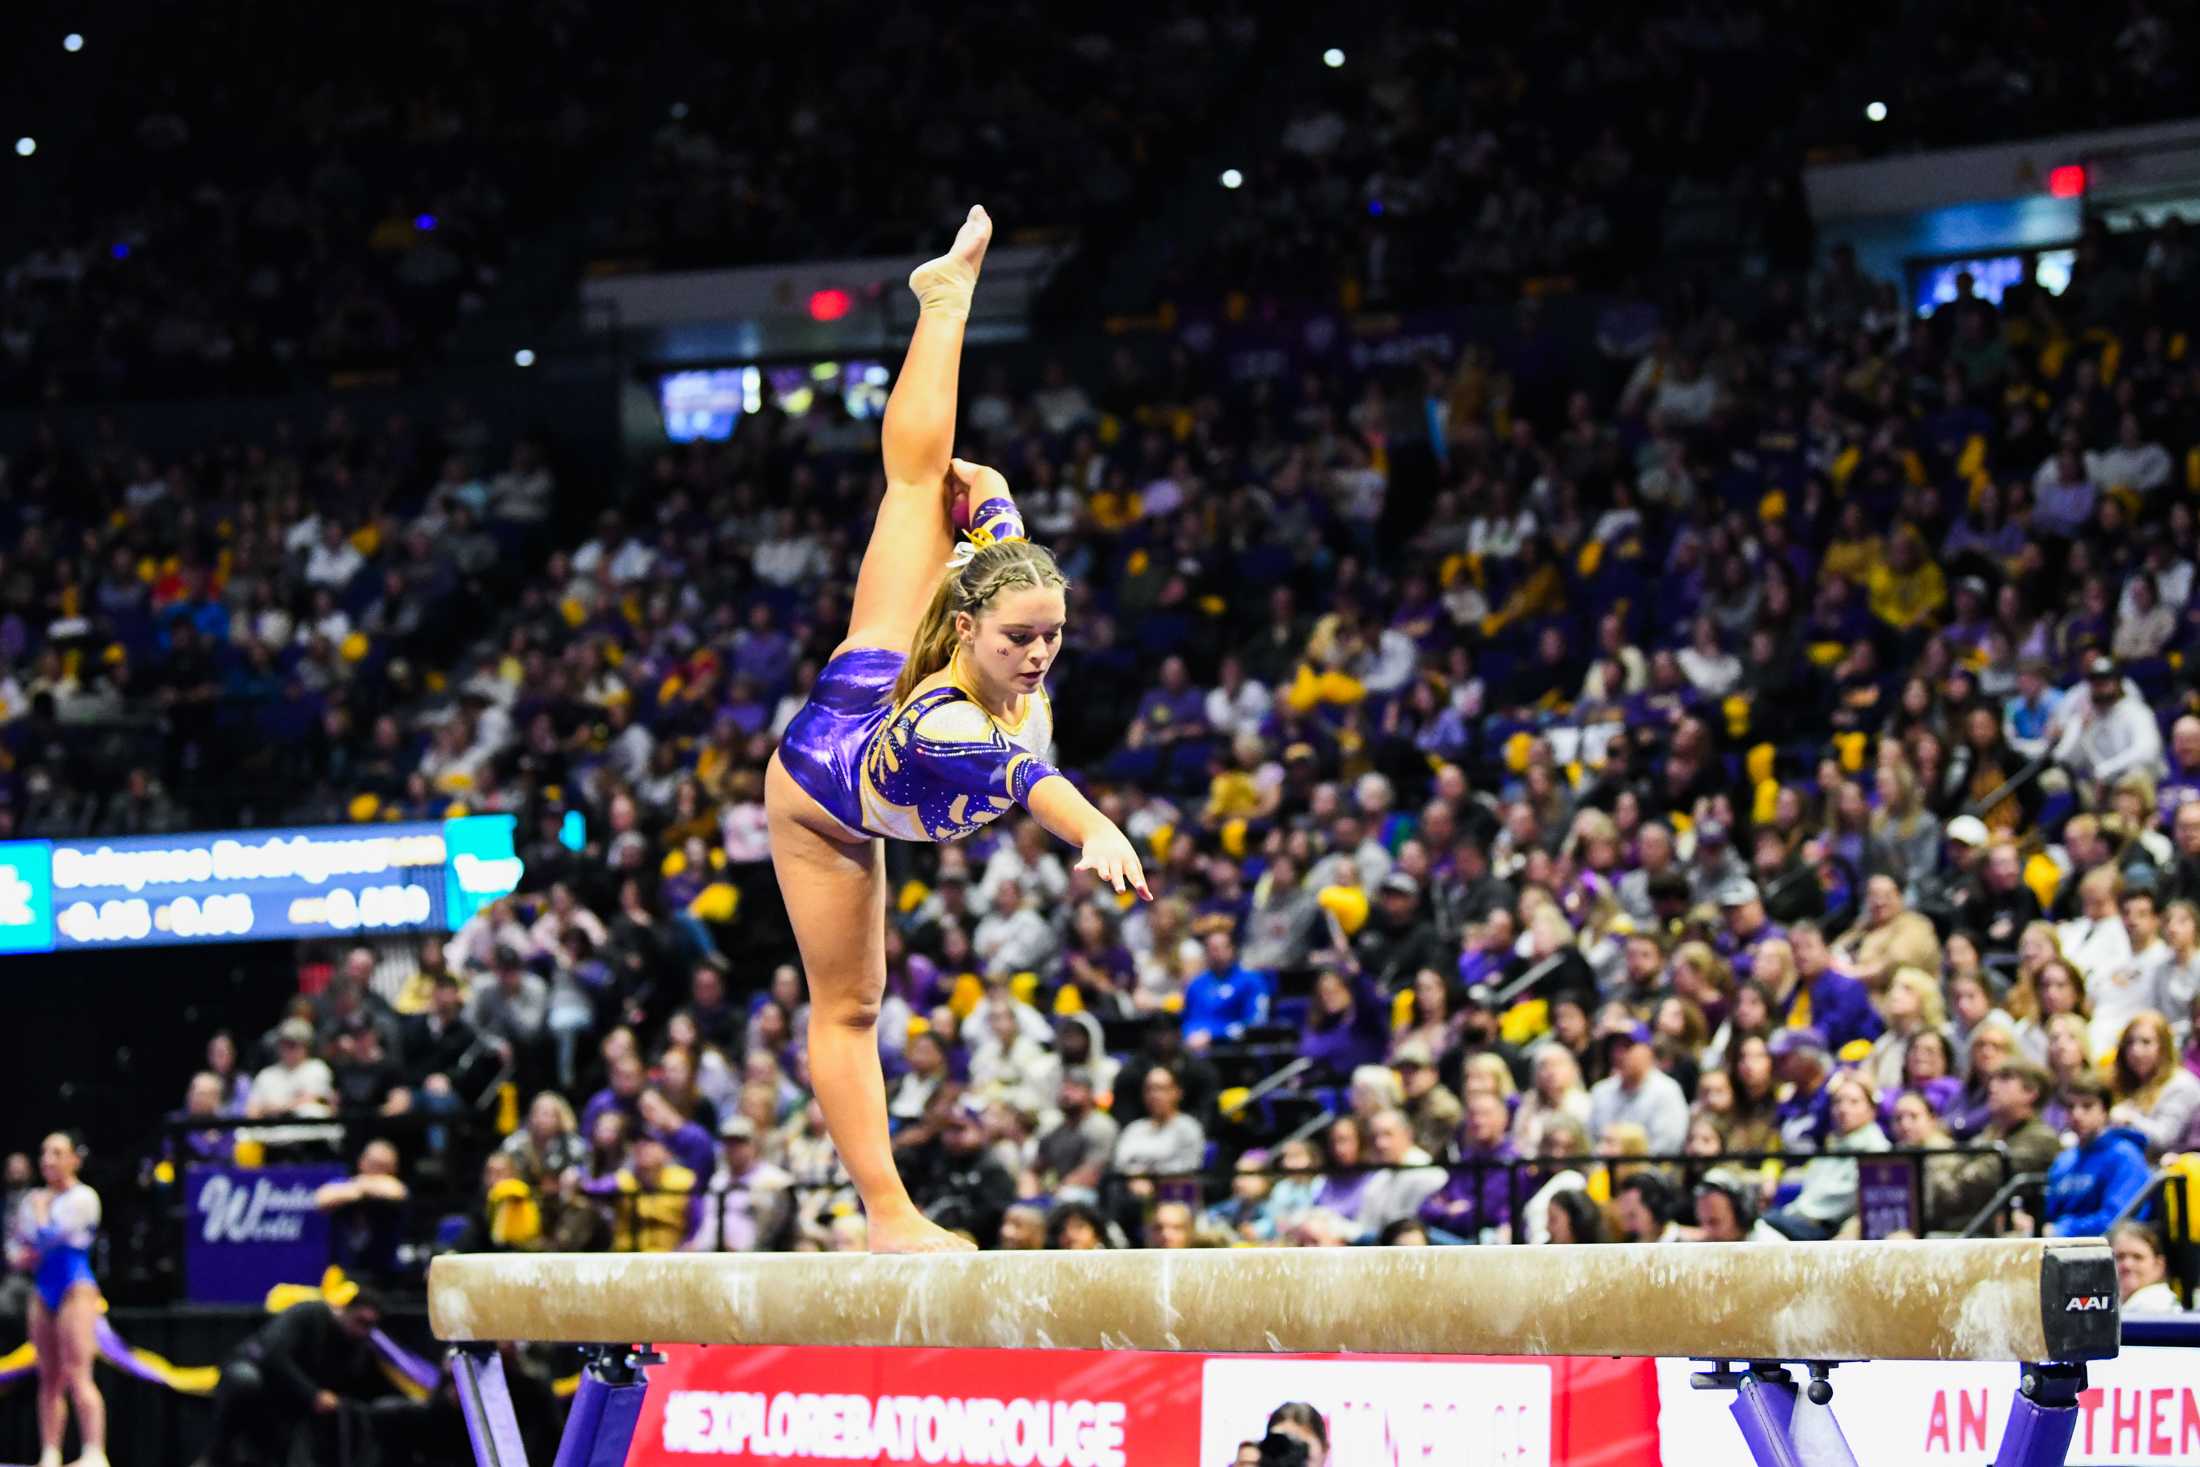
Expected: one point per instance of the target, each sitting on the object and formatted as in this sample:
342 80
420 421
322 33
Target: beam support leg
600 1427
2043 1417
485 1397
1764 1408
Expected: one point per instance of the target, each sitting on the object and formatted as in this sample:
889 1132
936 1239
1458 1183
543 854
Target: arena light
425 223
1231 178
72 43
2067 181
1875 111
523 358
830 304
24 147
1332 58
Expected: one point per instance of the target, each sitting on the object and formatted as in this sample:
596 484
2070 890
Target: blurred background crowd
1598 784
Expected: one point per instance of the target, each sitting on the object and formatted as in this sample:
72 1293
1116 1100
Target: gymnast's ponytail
972 580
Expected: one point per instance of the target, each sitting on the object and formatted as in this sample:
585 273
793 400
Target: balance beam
2016 1300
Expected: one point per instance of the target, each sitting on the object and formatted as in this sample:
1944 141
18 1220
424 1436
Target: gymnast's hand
1108 855
970 485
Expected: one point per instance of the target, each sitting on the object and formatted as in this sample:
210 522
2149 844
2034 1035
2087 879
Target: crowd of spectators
241 634
234 200
994 101
373 188
1452 158
370 187
1636 781
1783 758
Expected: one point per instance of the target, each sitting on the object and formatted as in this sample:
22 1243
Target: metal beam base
598 1430
1787 1427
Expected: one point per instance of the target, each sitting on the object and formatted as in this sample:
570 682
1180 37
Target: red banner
1073 1408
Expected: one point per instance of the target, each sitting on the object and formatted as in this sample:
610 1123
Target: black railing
2032 769
1123 1196
2011 1189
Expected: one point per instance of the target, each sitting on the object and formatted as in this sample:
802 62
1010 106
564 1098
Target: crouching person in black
302 1365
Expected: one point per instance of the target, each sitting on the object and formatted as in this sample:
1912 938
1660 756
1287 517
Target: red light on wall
2066 182
829 305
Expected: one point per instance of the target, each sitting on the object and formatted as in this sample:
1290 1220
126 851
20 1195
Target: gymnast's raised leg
835 888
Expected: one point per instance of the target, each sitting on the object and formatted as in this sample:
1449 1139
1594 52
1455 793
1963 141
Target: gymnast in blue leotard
930 721
51 1236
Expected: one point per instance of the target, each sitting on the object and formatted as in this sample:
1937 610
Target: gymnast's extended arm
1104 850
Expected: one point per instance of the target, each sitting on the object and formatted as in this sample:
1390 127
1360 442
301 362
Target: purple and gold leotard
937 768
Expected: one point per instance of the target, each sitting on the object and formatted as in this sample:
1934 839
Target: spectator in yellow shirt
1855 552
657 1208
1906 589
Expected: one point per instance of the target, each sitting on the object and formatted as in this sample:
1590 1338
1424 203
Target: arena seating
1512 729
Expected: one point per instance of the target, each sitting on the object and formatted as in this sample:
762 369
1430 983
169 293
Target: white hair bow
965 552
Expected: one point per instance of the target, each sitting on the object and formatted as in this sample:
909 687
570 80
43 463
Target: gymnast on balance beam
930 720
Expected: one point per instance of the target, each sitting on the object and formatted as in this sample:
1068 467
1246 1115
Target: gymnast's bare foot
944 285
914 1233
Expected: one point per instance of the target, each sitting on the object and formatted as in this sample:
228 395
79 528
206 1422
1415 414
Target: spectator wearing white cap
1637 1092
1748 929
1962 865
749 1201
1713 863
1398 940
297 1084
1433 1109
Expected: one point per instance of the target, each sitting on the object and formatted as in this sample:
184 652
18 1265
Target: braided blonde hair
970 584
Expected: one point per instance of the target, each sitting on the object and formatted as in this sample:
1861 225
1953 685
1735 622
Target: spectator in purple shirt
690 1144
747 706
1478 1194
1487 948
1747 926
1840 1005
1167 739
1804 1118
2063 494
1346 1024
2183 782
622 1094
202 1101
762 652
1927 1072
